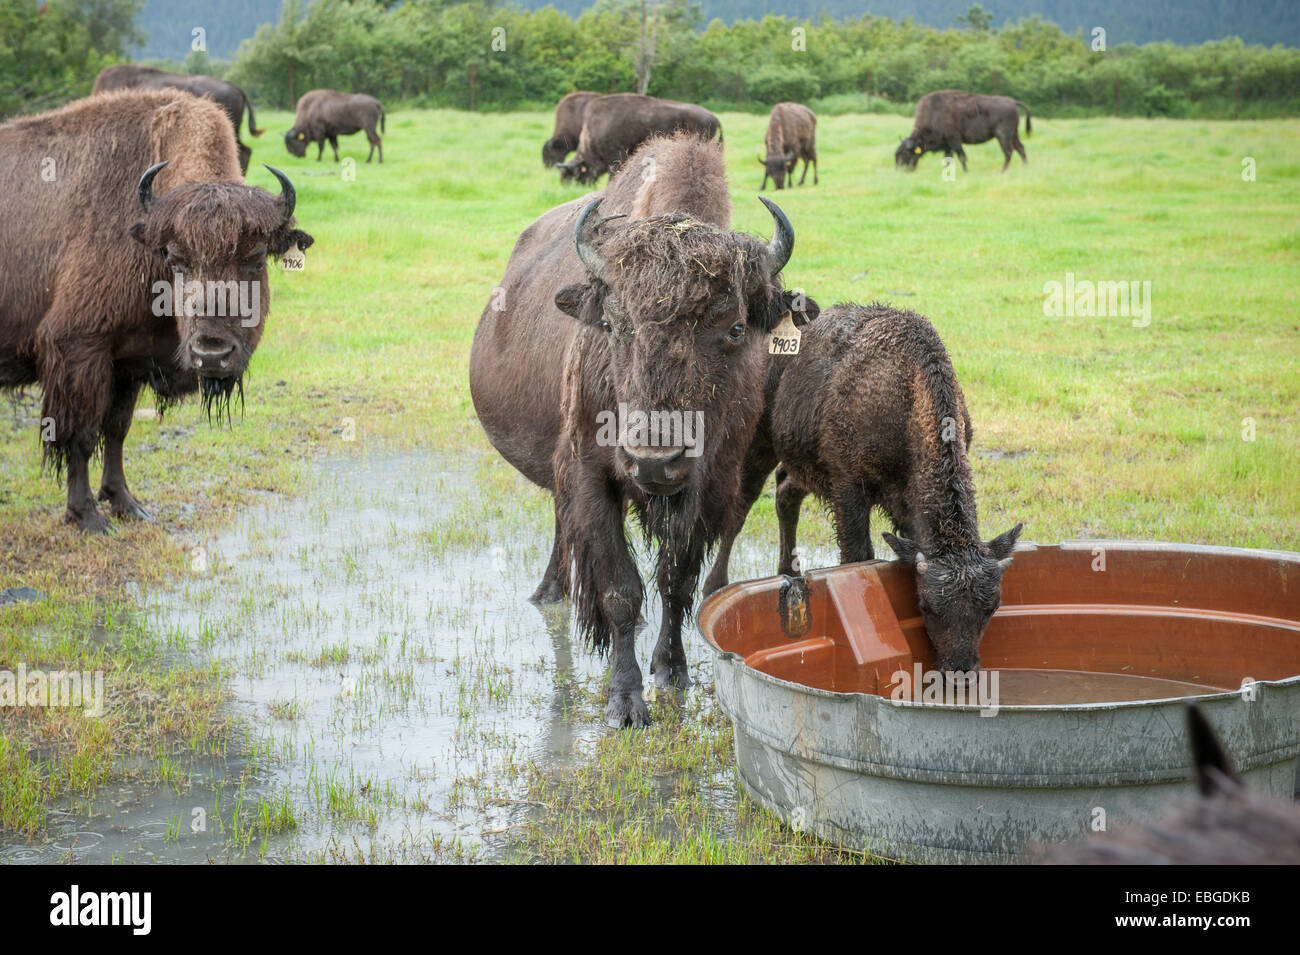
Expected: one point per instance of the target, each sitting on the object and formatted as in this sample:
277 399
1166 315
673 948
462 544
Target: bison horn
782 243
145 189
582 233
288 195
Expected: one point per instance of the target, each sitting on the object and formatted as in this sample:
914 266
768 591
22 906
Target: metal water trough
820 742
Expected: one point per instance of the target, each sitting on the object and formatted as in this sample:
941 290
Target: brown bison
614 126
867 413
791 136
947 118
568 127
622 368
231 98
122 210
1227 825
329 114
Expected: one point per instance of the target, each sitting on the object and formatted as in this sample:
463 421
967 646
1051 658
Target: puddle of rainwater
385 652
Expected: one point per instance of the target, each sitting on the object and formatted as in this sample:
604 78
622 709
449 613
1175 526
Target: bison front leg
678 573
78 387
758 465
551 589
112 487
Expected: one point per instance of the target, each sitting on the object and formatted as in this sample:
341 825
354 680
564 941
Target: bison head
554 150
778 167
580 170
214 239
908 152
295 140
958 593
684 310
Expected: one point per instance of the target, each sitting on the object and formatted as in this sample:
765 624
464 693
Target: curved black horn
782 243
145 189
287 193
582 237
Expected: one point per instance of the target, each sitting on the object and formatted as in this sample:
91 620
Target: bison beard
215 395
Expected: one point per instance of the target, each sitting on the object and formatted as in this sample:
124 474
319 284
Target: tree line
483 56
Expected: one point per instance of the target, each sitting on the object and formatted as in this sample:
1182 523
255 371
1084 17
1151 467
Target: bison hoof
671 676
548 591
91 521
122 504
627 709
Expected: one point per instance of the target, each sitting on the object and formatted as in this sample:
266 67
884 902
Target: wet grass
1183 429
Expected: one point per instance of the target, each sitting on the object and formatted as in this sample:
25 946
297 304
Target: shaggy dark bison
131 254
947 118
569 114
329 114
614 126
791 136
869 413
231 97
621 367
1227 825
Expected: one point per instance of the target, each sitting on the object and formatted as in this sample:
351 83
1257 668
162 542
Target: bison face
909 151
958 594
683 310
576 169
213 239
553 152
778 167
295 140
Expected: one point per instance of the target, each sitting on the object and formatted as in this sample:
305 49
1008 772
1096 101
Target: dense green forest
169 23
476 55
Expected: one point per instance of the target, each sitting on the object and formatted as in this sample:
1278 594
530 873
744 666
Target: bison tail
1029 126
382 114
252 123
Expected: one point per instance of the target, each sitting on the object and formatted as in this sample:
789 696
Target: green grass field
1185 427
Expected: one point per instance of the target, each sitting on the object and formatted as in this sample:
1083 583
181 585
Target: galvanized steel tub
818 744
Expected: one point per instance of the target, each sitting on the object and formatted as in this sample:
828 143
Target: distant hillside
169 22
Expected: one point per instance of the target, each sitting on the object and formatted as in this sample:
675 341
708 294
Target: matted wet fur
677 284
869 413
84 261
1226 825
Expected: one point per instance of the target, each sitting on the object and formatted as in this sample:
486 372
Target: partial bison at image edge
111 201
328 114
666 310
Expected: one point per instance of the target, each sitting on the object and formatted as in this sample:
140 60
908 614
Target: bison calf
122 210
329 114
947 118
1227 825
791 136
869 413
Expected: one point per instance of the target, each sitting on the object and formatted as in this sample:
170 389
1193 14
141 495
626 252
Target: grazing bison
791 136
231 98
614 126
329 114
1227 825
113 204
869 413
661 325
947 118
568 127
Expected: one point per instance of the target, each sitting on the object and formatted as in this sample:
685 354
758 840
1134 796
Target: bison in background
231 98
113 204
329 114
665 312
614 126
947 118
569 114
791 136
867 413
1227 825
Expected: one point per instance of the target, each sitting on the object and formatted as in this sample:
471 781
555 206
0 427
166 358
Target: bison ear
904 548
1002 546
802 308
569 300
283 239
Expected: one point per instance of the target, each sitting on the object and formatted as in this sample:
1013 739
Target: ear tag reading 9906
293 259
785 337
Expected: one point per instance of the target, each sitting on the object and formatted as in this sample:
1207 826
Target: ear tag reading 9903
293 260
785 337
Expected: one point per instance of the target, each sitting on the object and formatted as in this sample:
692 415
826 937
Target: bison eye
737 331
605 326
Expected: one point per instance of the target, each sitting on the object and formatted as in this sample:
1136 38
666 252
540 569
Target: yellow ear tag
785 337
301 136
293 260
917 150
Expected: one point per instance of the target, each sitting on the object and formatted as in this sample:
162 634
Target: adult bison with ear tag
604 343
132 253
